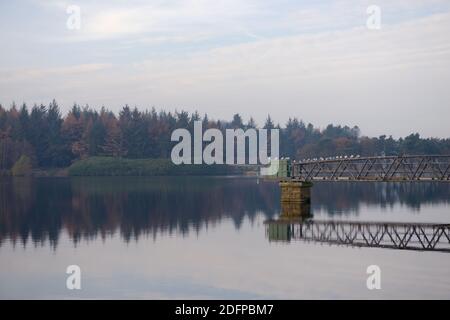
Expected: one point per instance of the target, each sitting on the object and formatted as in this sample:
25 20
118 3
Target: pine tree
113 145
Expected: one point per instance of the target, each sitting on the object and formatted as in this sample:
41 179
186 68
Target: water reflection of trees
342 197
39 209
90 207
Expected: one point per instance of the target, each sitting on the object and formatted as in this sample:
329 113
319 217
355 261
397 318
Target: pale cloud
162 20
42 73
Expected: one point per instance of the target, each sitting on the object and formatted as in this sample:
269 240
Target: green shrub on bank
109 166
22 167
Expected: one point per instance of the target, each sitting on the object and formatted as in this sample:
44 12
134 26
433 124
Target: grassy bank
107 166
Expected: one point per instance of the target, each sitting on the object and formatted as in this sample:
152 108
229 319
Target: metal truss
395 168
408 236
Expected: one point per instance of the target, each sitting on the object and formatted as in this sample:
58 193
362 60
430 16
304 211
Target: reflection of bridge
410 236
391 168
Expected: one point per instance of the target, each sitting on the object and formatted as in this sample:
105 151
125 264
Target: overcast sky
315 60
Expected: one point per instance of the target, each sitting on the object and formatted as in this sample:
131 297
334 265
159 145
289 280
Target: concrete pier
295 199
295 211
295 191
295 208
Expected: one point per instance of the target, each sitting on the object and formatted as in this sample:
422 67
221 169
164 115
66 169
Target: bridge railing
391 168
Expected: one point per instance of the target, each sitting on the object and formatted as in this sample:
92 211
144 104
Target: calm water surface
202 237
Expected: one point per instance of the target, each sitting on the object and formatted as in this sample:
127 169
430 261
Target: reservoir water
205 237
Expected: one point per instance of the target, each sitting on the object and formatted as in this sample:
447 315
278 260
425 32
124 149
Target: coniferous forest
46 138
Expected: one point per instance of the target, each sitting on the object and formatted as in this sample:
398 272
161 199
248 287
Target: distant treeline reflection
88 207
38 210
342 197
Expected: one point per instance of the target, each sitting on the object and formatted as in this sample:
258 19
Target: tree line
49 139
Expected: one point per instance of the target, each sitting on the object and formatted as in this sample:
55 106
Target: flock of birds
330 158
324 159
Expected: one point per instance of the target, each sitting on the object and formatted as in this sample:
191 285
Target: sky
314 60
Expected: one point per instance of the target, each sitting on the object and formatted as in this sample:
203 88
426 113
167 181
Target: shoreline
108 166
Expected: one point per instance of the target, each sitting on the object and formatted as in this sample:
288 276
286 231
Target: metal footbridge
386 168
